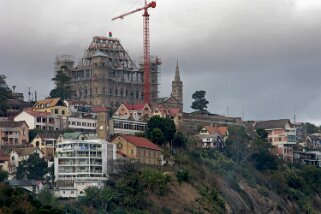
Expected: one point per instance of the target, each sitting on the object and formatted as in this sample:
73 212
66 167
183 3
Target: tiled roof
11 124
272 124
4 157
24 151
49 102
99 109
141 142
24 182
216 130
37 113
138 106
47 135
173 111
76 102
72 135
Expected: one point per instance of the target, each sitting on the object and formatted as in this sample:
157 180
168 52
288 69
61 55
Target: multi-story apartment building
82 163
282 135
107 76
12 132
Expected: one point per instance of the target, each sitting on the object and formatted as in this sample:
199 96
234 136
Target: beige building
139 148
56 106
47 142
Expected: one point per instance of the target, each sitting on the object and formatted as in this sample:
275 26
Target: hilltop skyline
260 58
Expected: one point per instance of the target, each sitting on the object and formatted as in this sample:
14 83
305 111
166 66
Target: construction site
107 76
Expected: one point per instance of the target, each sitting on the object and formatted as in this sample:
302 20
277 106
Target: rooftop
272 124
141 142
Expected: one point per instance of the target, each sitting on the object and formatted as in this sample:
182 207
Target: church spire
177 76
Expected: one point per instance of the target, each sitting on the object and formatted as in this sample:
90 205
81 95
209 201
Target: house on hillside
138 112
212 137
314 141
139 148
282 135
46 142
39 120
12 132
308 157
55 106
33 186
19 154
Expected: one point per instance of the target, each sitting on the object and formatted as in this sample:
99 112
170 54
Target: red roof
99 109
217 130
138 106
141 142
4 157
37 113
173 111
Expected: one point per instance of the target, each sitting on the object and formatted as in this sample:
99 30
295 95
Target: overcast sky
260 59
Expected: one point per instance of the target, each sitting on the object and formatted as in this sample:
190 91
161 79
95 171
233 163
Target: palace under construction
107 76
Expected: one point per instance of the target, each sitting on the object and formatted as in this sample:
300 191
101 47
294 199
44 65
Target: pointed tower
177 86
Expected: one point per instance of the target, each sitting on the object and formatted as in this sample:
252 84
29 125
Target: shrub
182 176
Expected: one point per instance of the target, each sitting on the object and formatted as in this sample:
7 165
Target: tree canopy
32 168
63 88
158 126
5 94
199 103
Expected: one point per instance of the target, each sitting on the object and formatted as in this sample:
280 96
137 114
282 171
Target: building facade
82 163
282 135
14 133
139 148
107 76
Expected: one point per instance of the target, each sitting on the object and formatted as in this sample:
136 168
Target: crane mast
146 41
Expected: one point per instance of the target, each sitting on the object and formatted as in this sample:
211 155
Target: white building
82 163
39 120
84 123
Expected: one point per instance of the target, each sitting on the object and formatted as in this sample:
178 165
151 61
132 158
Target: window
56 111
62 112
132 152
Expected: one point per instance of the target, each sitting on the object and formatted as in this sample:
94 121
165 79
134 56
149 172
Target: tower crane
147 69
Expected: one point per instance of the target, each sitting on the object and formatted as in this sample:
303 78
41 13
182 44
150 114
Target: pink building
14 133
282 135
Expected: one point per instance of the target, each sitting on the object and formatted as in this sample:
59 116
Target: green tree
5 94
63 88
237 144
32 168
311 128
262 133
157 136
107 196
3 175
199 103
179 140
166 125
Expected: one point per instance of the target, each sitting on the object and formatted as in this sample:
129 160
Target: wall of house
125 147
30 120
82 123
149 156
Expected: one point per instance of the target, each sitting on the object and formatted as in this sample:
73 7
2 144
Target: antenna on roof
29 94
